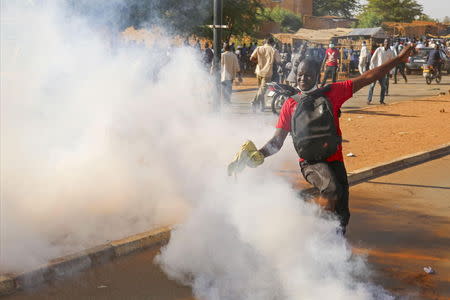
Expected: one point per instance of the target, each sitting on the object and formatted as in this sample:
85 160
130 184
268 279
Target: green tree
179 16
343 8
288 21
379 11
369 19
241 17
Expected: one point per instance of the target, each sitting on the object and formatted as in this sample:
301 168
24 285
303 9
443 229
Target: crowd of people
312 119
278 62
316 136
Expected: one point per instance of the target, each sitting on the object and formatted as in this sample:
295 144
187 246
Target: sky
434 8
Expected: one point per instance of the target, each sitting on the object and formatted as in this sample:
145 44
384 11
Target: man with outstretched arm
317 139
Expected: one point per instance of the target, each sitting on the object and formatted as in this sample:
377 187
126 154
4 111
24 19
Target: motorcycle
277 94
431 74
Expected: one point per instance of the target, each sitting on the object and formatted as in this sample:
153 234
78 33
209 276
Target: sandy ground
380 134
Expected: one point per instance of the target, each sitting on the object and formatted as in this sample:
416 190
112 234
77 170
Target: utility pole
217 27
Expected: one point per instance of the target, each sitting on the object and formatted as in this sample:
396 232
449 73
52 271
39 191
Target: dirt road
399 221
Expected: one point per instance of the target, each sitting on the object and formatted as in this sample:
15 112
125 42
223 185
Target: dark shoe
368 102
382 102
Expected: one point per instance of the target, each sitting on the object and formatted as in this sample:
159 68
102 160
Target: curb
70 264
404 162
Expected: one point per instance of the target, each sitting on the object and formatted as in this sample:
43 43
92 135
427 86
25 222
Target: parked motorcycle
431 74
277 94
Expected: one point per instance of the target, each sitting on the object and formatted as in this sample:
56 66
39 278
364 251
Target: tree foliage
241 16
288 21
378 11
343 8
179 16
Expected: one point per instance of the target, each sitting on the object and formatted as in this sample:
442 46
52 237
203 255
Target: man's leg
382 82
326 75
361 66
331 180
334 73
258 93
402 71
322 177
371 88
222 91
227 88
342 209
386 85
395 74
263 89
401 68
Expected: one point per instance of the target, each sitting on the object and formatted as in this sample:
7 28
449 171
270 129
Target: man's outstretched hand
407 52
248 155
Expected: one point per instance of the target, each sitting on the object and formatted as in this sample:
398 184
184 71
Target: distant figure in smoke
208 56
317 139
230 67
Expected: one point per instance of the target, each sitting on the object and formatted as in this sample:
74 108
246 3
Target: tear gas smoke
98 143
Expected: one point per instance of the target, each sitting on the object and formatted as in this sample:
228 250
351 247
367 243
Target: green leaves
343 8
378 11
288 21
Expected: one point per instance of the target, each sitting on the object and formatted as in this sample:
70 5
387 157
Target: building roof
376 32
318 36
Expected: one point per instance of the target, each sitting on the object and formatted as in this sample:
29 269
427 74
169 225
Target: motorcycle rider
434 59
328 175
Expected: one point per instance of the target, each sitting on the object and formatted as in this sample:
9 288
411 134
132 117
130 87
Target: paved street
401 221
415 88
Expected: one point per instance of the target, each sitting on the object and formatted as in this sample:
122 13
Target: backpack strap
316 94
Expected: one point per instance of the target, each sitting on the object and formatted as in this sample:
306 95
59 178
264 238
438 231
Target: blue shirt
434 57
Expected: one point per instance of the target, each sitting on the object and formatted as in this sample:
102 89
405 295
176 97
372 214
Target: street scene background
119 117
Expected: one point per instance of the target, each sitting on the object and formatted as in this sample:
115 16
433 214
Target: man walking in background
230 67
264 56
208 56
331 62
297 57
400 68
363 58
379 57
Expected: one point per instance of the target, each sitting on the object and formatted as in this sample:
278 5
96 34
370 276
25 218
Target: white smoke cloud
98 143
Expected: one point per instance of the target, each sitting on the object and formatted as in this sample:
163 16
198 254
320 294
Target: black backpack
312 126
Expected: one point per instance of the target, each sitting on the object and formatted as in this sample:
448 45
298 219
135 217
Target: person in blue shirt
434 58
